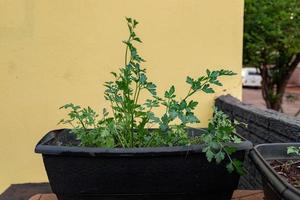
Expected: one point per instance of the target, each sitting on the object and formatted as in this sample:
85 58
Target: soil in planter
65 138
289 170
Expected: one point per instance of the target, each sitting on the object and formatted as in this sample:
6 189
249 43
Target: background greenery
272 44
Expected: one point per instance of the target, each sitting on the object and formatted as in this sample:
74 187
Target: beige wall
57 51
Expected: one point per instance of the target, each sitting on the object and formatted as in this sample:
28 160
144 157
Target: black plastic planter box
173 173
275 188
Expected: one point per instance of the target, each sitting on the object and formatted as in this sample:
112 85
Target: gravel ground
253 96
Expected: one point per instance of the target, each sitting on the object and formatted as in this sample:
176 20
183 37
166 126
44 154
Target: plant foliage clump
292 150
221 132
130 120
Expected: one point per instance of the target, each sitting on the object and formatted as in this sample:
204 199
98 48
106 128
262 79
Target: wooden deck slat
238 195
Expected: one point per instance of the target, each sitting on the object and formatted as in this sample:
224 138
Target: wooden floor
248 195
41 191
238 195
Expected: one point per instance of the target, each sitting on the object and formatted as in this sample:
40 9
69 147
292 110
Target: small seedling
292 150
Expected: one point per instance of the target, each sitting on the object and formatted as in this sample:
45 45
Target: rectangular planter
177 173
275 188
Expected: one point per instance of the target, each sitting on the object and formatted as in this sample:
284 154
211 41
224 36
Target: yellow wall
57 51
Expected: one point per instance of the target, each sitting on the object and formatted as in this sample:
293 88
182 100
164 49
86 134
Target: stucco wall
54 52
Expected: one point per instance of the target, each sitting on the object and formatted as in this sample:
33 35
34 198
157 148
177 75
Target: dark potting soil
289 170
64 138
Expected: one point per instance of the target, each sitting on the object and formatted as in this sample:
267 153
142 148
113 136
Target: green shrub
131 119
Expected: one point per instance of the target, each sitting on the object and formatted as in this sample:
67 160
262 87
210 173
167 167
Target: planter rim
285 188
44 148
